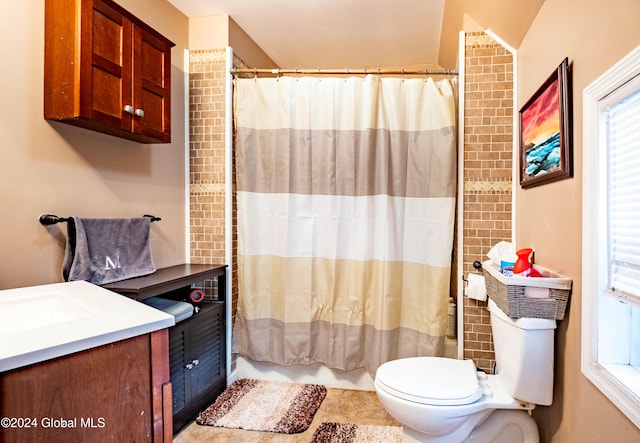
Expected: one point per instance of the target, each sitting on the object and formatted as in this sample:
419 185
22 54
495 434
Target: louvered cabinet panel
197 362
208 349
177 367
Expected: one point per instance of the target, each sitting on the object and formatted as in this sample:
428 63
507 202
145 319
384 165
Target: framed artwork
545 131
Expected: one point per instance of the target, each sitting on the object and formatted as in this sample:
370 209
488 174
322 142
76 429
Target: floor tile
340 405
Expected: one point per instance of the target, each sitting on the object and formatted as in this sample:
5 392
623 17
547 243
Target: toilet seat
430 380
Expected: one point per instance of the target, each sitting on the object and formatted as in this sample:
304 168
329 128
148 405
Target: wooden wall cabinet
106 70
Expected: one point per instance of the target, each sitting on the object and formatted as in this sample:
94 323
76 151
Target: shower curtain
345 208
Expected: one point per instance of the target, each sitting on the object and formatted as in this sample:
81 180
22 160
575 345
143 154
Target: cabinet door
208 349
178 359
101 394
197 362
151 86
106 54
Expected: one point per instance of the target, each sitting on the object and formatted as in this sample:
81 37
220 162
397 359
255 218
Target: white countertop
39 323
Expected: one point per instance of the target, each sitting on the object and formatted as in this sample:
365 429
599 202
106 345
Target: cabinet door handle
189 366
128 109
139 112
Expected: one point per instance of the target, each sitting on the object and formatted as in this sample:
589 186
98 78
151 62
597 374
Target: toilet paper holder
477 265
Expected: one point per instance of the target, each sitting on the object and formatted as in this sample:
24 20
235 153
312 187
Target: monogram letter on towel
104 250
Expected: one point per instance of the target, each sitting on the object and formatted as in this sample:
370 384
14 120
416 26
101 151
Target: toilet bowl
444 400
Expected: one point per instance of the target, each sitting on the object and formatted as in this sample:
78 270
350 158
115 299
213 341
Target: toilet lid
431 380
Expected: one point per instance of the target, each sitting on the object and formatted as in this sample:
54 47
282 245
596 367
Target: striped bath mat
286 408
351 433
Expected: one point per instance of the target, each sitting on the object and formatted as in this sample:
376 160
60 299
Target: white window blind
623 141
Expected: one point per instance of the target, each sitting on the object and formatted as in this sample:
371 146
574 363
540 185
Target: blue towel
105 250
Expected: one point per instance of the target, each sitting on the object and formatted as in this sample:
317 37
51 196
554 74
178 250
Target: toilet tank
524 350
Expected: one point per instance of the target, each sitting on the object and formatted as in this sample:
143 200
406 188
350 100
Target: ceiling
309 34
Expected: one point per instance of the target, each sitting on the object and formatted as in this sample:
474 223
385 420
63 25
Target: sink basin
38 323
29 311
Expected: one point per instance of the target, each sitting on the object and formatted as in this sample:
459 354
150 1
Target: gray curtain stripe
350 163
336 345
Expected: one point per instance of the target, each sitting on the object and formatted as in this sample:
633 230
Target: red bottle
523 265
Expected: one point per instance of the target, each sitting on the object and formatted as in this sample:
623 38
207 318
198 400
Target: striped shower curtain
345 206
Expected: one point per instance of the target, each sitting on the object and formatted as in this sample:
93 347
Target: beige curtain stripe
386 295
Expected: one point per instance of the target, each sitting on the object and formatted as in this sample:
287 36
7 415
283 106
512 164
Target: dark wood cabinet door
105 80
151 86
99 395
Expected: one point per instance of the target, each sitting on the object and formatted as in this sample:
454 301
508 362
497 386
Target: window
611 235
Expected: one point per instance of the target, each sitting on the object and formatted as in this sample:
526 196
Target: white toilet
444 400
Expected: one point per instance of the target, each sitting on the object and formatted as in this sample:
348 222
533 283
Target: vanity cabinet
115 392
106 70
197 345
197 362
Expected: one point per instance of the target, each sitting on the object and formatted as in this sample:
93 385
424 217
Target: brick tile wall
207 71
207 155
488 147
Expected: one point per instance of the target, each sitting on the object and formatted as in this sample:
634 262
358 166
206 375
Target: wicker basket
534 297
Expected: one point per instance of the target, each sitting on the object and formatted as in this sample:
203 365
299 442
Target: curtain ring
346 74
402 75
319 78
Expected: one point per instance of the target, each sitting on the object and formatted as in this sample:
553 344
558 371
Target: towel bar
50 219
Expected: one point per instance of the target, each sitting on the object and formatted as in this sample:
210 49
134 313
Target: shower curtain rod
365 71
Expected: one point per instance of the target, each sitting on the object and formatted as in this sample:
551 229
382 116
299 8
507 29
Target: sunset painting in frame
545 151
